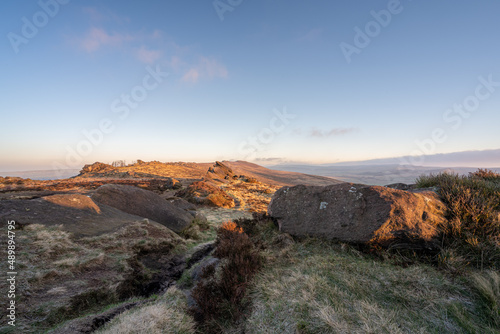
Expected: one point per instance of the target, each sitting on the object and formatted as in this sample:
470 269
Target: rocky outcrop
96 167
358 213
221 172
201 192
143 203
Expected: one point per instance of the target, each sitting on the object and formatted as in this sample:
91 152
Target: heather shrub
473 204
220 296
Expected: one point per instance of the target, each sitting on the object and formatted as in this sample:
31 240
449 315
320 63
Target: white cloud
98 37
206 68
213 69
191 76
315 132
148 56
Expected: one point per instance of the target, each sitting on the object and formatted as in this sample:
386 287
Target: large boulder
143 203
74 213
358 213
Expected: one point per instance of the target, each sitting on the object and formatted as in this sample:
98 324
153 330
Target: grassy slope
319 287
314 286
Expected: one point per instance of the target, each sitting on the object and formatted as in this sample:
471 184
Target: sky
263 81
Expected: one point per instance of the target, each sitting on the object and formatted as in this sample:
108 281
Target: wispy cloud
96 38
213 68
318 133
147 47
206 68
148 56
192 76
272 160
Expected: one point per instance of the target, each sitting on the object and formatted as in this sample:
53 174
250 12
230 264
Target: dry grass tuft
201 192
488 285
254 197
52 261
166 315
323 287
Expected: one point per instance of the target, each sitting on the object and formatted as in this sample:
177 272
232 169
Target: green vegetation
488 286
473 202
322 287
196 230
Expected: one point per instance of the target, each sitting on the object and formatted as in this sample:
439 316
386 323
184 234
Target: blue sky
265 81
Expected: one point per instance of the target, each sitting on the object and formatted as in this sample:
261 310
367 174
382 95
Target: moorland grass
472 234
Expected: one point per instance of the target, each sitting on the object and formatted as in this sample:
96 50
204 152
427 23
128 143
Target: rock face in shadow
143 203
77 214
358 213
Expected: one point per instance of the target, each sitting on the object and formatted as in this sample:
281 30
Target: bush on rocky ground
473 202
220 296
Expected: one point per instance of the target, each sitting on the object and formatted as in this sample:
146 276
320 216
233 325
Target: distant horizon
382 161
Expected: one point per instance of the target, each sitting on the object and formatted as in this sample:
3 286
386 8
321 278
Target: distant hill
372 174
472 159
191 170
277 176
43 174
400 169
